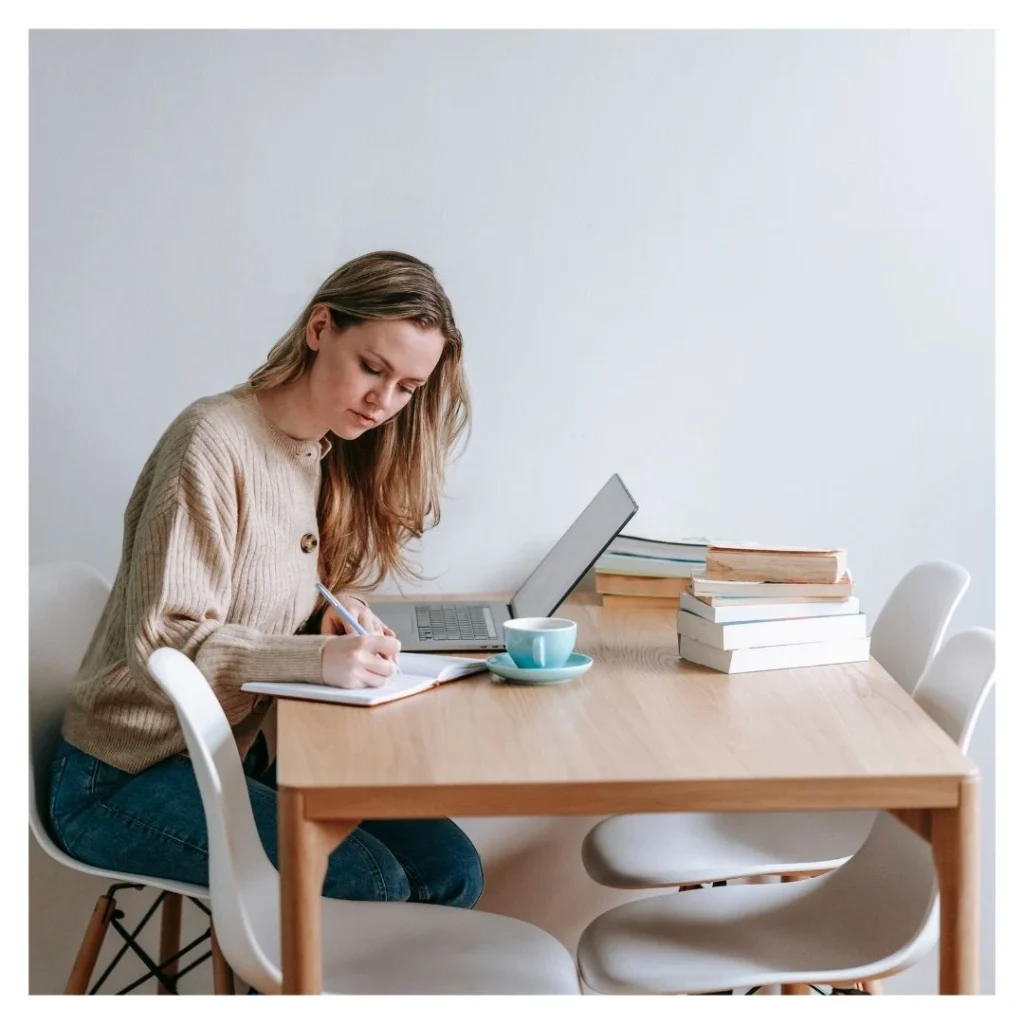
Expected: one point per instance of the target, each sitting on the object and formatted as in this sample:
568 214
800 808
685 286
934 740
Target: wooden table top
641 731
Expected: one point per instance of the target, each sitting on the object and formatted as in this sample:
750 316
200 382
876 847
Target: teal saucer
502 665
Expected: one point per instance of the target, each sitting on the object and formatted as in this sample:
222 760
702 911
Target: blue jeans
152 823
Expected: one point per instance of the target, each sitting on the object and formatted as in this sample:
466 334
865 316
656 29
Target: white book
703 587
640 565
730 636
729 601
762 659
750 612
416 673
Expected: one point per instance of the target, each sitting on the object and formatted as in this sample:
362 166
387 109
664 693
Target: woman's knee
430 860
462 884
362 868
452 875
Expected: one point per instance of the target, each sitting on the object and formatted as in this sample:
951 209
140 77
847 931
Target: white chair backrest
912 624
66 600
243 882
895 865
954 687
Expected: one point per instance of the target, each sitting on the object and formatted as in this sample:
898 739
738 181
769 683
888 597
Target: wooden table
642 731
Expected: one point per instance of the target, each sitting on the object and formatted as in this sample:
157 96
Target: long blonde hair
382 489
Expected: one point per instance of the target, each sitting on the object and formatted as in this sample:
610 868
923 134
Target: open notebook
416 673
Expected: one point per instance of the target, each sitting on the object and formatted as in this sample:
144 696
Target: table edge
598 798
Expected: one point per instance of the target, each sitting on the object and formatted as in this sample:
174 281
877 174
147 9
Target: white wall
752 272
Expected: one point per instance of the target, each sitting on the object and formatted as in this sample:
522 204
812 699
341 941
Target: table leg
955 835
303 849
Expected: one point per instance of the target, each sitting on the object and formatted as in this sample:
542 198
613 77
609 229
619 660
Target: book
701 586
731 636
638 601
693 550
416 673
724 601
775 565
762 659
640 565
639 586
752 610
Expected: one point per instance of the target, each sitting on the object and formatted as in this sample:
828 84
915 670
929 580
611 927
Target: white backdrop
750 271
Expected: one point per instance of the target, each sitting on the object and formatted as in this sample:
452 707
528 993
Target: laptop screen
576 551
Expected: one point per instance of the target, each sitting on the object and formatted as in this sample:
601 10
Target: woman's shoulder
214 432
222 420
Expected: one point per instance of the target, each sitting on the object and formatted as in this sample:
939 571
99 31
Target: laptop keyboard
454 622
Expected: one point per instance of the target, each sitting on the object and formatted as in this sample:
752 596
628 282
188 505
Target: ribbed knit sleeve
180 591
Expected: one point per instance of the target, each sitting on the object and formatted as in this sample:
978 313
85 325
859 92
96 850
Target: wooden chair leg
873 987
89 950
223 978
170 936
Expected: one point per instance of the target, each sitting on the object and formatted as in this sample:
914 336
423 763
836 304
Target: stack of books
756 608
640 573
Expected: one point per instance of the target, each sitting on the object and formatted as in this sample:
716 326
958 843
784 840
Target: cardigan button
308 542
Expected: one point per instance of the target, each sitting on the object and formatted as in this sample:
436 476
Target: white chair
66 600
368 947
874 916
648 851
913 621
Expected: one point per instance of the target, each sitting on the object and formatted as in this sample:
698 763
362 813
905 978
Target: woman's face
367 373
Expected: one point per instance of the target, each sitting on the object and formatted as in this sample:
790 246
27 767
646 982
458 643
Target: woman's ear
317 323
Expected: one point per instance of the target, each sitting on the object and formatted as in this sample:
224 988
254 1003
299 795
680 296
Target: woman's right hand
356 662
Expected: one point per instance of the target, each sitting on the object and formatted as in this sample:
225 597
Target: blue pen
342 611
339 608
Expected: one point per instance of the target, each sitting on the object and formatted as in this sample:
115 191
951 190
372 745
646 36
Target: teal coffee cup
540 643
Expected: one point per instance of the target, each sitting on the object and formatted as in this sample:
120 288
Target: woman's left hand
334 624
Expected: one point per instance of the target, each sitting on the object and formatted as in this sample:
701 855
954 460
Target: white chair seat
402 948
874 915
646 851
167 884
414 949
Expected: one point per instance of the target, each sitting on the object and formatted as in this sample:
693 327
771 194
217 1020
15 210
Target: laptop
477 626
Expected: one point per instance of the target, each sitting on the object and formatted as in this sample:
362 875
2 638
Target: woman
323 465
